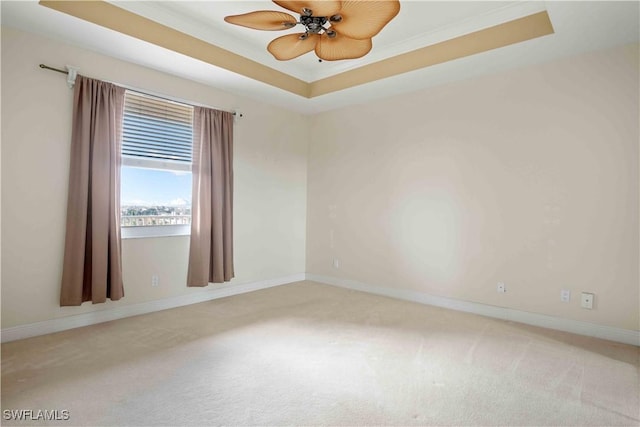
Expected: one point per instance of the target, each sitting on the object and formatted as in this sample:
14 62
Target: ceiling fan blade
291 46
263 20
341 47
364 19
317 7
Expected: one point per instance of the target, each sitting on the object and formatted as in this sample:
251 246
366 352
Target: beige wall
528 177
270 183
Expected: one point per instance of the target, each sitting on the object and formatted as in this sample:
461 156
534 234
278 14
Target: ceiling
427 44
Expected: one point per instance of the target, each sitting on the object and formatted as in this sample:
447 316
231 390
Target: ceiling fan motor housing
313 24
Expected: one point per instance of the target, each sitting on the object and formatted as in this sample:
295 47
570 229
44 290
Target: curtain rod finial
71 75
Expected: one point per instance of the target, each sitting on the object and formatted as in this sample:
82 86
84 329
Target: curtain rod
71 77
46 67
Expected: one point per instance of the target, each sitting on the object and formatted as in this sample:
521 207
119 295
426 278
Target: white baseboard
626 336
86 319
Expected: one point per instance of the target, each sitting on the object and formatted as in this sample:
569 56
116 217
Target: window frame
151 231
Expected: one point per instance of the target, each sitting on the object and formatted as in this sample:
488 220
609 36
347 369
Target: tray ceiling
428 43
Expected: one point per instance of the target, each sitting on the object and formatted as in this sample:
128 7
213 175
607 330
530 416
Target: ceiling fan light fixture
352 24
313 24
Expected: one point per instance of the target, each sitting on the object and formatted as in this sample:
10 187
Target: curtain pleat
92 269
211 245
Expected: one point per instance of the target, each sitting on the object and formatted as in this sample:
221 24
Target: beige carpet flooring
311 354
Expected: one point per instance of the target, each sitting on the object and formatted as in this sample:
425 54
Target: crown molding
118 19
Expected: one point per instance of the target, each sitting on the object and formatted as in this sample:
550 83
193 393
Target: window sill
155 231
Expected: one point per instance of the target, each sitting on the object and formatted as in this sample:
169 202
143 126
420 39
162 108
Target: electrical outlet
565 295
587 300
501 288
336 263
155 280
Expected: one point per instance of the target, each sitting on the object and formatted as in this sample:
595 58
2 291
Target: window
156 167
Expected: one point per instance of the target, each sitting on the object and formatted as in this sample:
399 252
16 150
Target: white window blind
156 129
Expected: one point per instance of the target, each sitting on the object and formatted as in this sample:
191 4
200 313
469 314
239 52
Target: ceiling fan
334 29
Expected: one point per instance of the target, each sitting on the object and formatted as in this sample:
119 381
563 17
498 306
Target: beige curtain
211 250
92 269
